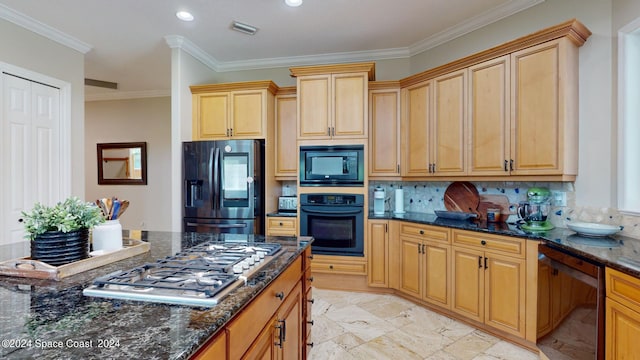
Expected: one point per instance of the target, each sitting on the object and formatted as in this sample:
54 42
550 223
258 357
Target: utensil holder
107 236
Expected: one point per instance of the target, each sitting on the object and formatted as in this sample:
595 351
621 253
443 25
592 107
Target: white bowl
593 229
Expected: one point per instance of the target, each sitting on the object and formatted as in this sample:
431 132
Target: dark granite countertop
283 214
618 252
53 320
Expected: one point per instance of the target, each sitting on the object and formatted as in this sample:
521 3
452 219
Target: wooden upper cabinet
416 107
333 100
489 114
286 159
384 129
544 117
232 110
448 157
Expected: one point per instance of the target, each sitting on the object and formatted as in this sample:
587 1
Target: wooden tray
28 268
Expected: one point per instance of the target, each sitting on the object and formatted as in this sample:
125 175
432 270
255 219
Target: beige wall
32 52
136 120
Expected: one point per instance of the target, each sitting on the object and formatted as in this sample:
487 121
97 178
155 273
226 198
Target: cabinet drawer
242 330
339 265
623 288
425 232
487 242
281 226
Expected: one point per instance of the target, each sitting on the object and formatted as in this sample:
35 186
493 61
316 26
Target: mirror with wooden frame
122 163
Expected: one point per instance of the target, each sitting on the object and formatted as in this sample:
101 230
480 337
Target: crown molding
470 25
45 30
181 42
127 95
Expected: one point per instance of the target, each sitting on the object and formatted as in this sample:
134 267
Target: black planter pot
57 248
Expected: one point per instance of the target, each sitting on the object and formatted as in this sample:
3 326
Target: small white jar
107 236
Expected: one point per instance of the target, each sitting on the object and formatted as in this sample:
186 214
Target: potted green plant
60 234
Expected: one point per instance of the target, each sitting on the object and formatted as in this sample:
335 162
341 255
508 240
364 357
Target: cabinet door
377 254
286 161
537 104
622 331
349 105
314 106
436 274
211 116
448 124
467 296
249 109
289 327
544 323
415 130
410 266
505 293
214 349
384 127
489 122
264 347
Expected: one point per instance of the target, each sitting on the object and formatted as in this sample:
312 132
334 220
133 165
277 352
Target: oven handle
576 274
332 212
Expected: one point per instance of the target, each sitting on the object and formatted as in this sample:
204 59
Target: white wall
27 50
135 120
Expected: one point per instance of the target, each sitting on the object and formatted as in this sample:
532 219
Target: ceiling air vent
100 83
244 28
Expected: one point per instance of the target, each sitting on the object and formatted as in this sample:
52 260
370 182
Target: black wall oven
336 222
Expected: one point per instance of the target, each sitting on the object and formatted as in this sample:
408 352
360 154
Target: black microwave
332 165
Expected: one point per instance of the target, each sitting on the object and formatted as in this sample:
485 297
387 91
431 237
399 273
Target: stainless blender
535 210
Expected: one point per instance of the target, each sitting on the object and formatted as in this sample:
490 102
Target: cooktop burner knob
237 269
245 264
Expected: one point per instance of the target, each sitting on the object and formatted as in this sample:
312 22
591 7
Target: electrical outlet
559 198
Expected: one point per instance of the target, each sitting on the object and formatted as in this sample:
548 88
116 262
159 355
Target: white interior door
30 150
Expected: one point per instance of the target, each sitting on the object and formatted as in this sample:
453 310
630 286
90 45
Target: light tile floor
353 325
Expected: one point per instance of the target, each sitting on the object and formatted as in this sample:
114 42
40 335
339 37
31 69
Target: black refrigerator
223 186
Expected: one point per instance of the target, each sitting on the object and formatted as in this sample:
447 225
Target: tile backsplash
425 197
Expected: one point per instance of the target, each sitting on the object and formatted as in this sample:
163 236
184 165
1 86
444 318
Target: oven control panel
332 199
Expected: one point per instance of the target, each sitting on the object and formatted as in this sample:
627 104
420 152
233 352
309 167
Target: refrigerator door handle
222 226
216 178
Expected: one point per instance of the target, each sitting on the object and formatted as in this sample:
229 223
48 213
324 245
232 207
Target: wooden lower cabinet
377 253
272 326
489 287
424 264
622 316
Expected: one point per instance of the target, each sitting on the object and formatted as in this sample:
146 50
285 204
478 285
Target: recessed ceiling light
244 28
184 16
293 3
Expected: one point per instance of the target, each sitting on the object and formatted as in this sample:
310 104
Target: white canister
107 236
378 201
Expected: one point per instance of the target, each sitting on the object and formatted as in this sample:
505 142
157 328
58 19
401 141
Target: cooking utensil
455 215
461 196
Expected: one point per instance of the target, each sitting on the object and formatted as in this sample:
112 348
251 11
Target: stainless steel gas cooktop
200 276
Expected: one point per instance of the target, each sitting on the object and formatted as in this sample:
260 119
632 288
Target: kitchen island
53 319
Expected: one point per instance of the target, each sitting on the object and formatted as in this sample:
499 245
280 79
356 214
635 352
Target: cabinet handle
479 262
386 230
310 322
331 267
328 130
231 131
423 250
333 131
511 165
310 344
483 242
434 168
280 224
310 279
506 163
419 249
227 132
485 263
280 295
398 168
310 257
311 301
421 232
282 330
430 168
